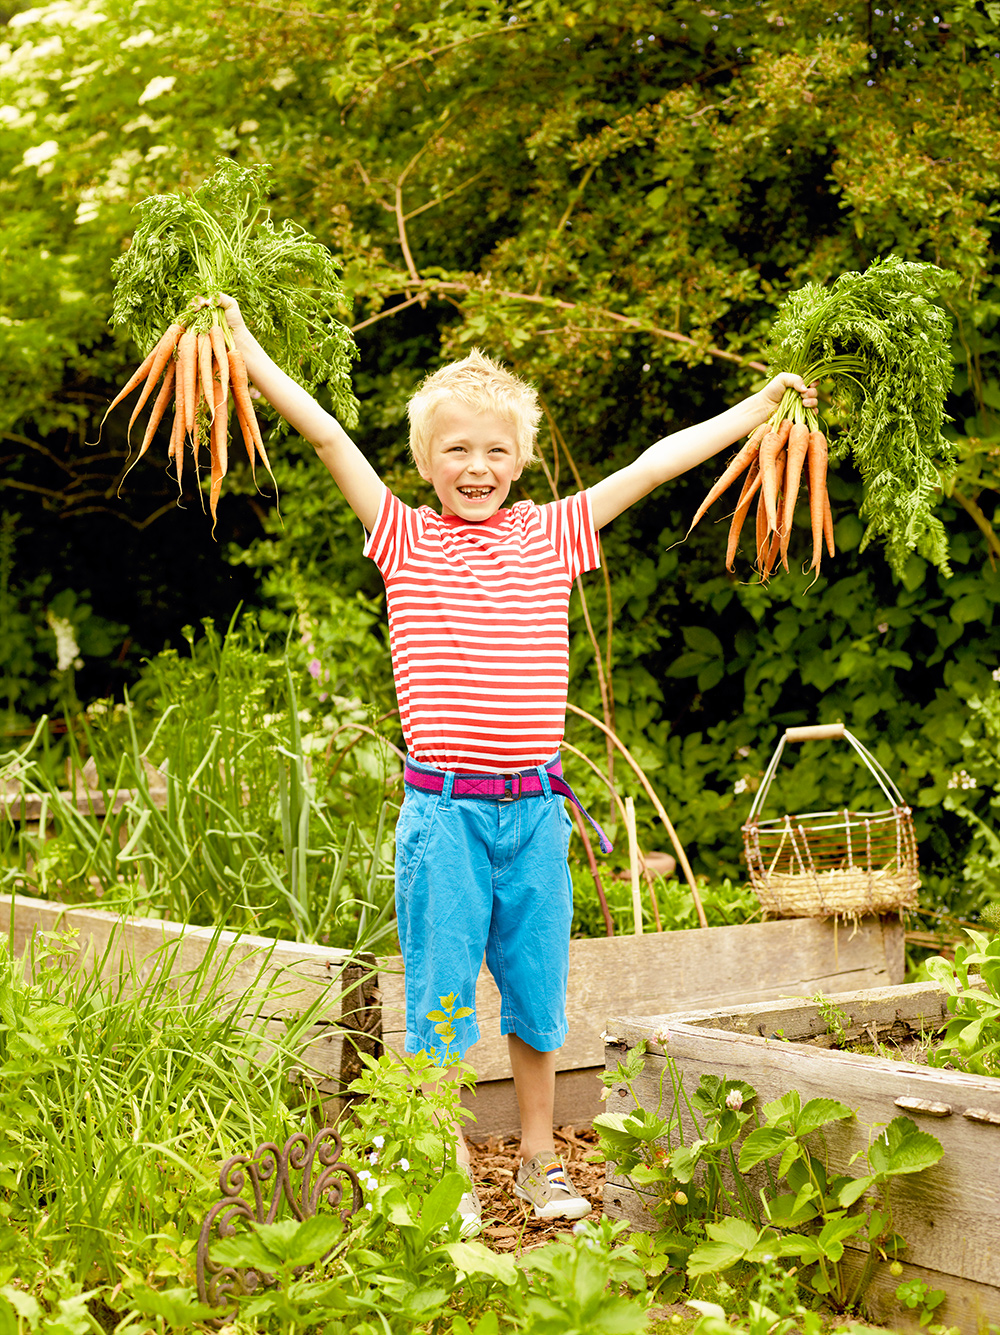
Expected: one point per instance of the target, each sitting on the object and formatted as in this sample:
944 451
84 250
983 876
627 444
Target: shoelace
555 1175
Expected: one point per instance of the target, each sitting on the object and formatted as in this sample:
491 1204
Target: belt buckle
511 796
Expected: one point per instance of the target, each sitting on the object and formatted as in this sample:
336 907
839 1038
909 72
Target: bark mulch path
509 1224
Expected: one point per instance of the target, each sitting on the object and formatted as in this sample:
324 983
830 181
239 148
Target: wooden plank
950 1214
289 975
665 971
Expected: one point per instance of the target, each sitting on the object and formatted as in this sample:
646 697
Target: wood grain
665 971
950 1214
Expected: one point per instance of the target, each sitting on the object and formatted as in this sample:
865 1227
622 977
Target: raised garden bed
949 1214
655 972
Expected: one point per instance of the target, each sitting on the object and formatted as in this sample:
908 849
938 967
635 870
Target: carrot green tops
478 626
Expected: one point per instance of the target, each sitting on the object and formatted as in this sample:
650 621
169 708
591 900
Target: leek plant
217 813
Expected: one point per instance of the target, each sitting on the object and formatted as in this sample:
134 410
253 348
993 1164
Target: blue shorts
477 877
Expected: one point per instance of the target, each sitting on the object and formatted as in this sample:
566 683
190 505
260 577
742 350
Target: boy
477 600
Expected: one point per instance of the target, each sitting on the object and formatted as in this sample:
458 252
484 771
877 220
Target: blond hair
483 385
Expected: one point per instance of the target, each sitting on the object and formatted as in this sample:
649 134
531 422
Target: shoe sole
574 1208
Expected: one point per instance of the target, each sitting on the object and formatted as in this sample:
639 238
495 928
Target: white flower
67 649
996 674
743 752
661 1036
580 1227
157 86
378 1141
363 1175
605 1095
960 779
41 153
883 626
404 1164
741 785
734 1100
373 1157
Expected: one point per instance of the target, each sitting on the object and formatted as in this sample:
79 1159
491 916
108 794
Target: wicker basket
832 863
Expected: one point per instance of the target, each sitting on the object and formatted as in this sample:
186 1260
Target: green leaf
179 1307
817 1113
764 1143
473 1258
903 1148
854 1189
441 1204
702 641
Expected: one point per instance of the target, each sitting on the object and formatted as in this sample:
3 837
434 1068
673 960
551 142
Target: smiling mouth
475 493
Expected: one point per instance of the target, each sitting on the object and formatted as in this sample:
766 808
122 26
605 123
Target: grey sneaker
545 1186
469 1208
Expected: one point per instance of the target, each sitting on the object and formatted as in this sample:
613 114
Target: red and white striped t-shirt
478 627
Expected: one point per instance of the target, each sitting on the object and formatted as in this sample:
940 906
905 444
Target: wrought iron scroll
276 1177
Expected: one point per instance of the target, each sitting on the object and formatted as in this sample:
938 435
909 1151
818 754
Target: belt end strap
561 787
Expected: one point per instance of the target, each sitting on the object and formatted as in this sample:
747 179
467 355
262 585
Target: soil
509 1225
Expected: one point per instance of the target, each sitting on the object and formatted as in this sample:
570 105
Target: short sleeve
569 525
396 529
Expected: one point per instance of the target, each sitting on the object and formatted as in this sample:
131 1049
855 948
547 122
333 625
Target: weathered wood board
663 971
949 1215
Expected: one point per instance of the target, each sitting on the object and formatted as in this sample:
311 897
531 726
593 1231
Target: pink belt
504 788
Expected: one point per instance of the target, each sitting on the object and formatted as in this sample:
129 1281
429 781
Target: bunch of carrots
775 458
195 365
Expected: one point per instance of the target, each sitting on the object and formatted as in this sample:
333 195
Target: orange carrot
244 403
176 436
817 458
770 447
187 376
137 377
761 535
750 489
163 354
159 408
205 371
828 523
195 446
775 546
798 445
739 464
219 448
218 341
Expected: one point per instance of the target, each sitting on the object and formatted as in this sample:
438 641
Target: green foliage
697 1191
220 238
614 201
229 813
119 1096
971 1038
888 347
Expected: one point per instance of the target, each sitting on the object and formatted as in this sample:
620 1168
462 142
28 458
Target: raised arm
353 474
675 454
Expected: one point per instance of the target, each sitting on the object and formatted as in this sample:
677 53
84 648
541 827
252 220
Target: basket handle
818 732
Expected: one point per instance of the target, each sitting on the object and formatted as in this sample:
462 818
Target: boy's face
472 461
